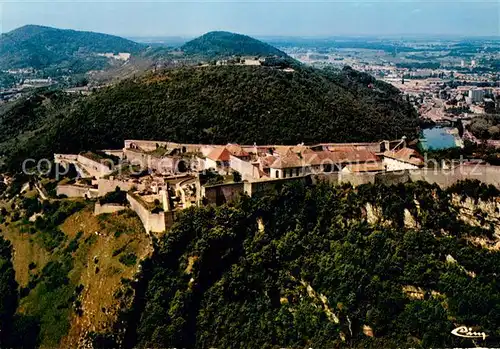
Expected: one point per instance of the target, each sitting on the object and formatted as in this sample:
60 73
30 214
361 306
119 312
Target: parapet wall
94 168
222 193
152 145
109 185
114 152
153 222
484 173
160 164
76 191
58 158
144 145
442 177
107 208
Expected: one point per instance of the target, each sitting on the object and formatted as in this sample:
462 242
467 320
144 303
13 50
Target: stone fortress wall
94 168
222 193
487 174
107 208
443 177
158 164
71 191
86 167
109 185
153 222
152 145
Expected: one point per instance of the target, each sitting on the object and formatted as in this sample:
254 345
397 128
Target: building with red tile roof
403 159
217 158
238 151
364 167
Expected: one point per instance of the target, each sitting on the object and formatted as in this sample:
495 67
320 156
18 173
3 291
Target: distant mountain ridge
41 47
67 51
222 43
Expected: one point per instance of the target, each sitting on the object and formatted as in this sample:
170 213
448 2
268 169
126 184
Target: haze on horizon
260 18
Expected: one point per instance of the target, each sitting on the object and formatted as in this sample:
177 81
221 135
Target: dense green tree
218 105
42 47
8 293
301 267
226 44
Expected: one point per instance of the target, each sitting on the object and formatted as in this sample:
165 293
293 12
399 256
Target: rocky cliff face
374 215
478 212
483 214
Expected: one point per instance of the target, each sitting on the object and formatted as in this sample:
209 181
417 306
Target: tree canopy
41 47
226 44
217 104
8 294
305 267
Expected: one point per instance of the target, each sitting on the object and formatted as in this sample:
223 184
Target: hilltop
226 44
41 47
59 52
214 104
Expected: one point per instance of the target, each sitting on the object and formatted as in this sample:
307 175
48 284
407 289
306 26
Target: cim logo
466 332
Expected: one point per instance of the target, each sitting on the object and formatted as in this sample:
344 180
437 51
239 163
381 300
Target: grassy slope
55 308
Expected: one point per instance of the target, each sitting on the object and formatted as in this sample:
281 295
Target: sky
260 18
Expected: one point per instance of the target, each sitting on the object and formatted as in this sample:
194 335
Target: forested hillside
226 44
42 47
325 267
212 105
300 267
61 51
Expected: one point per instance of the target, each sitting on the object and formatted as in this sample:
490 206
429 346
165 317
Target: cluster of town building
438 99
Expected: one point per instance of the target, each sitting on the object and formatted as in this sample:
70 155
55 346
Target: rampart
160 164
153 222
221 193
485 173
59 158
443 177
77 191
107 208
94 168
114 152
152 145
144 145
109 185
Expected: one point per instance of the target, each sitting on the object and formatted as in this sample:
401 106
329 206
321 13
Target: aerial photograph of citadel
249 174
163 177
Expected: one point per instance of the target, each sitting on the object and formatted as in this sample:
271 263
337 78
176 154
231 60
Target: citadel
161 178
